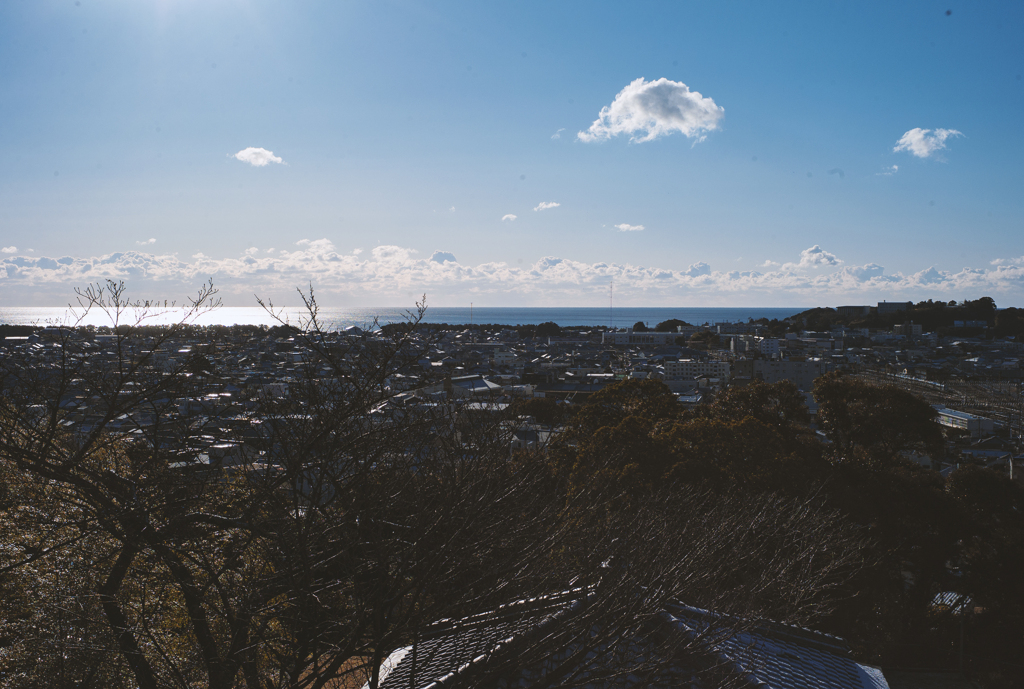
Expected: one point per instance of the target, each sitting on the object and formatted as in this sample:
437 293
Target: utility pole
611 303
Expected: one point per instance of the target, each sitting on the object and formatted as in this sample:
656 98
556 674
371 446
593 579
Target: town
967 368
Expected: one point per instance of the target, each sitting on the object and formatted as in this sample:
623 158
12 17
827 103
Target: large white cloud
924 142
394 275
646 110
815 257
257 157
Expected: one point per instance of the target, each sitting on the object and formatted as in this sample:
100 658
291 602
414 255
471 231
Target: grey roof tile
765 654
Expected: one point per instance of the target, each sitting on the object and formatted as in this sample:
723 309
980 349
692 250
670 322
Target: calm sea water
344 317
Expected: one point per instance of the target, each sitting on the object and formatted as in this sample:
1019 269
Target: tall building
885 307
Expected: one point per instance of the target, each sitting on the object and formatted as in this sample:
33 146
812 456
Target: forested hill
933 316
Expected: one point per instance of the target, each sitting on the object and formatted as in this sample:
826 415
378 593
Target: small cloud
558 134
151 240
356 252
629 228
837 171
271 250
257 157
648 109
443 257
815 257
697 269
923 142
9 249
452 209
888 172
200 255
544 205
509 217
997 262
251 251
769 264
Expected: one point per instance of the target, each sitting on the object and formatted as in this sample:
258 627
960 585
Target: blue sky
752 142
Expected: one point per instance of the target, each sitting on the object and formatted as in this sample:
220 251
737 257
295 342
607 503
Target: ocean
620 317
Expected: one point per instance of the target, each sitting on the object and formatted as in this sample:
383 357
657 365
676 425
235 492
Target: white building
631 338
975 425
800 373
692 368
768 346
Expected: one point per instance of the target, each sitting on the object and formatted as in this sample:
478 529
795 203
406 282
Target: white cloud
544 205
452 209
9 249
1008 261
769 264
889 171
151 240
558 134
509 217
200 255
251 251
257 157
356 252
629 228
923 142
386 252
648 109
698 269
814 257
442 257
392 273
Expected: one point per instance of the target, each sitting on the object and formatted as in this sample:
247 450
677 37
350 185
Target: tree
780 405
548 329
670 326
640 327
705 340
883 421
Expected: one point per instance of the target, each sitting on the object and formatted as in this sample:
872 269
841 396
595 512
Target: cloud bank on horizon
818 276
646 110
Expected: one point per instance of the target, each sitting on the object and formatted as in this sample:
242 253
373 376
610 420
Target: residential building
885 307
634 338
695 368
800 373
853 311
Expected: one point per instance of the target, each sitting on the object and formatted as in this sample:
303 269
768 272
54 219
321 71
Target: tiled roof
449 647
780 656
768 655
